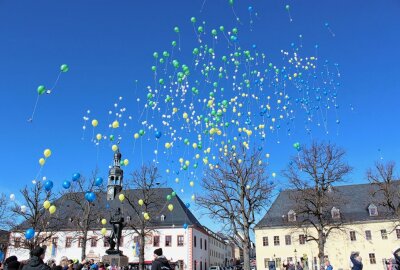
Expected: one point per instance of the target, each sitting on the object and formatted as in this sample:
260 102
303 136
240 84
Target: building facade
367 229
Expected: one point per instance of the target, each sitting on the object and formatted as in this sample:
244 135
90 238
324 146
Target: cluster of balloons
48 206
104 230
46 154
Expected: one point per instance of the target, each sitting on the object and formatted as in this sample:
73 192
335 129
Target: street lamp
295 258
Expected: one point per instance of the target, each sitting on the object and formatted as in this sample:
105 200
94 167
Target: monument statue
117 222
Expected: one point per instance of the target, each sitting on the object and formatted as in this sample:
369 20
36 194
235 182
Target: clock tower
115 177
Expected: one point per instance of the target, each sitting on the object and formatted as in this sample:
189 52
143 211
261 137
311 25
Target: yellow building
367 228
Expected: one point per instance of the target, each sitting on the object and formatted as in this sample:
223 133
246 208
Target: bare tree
235 191
313 173
5 212
386 188
86 215
144 182
33 215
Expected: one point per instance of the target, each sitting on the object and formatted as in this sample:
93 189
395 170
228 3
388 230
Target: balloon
42 161
41 89
158 134
136 136
121 197
140 202
103 231
193 19
12 197
146 216
169 197
91 197
273 174
66 184
76 176
176 29
114 147
193 197
98 136
52 209
173 193
185 226
191 183
115 124
95 123
29 233
170 207
48 185
23 208
167 145
98 181
46 204
287 7
64 68
126 162
187 205
47 153
111 137
104 221
141 132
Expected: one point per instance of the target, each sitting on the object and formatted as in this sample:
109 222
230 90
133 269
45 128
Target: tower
115 177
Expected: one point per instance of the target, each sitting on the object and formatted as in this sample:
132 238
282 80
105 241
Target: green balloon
173 43
200 29
193 19
169 197
41 89
221 28
231 2
173 193
141 132
111 137
176 29
214 32
64 68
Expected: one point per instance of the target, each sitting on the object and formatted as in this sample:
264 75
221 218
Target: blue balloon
66 184
76 176
48 185
187 205
185 226
29 233
158 134
98 181
90 196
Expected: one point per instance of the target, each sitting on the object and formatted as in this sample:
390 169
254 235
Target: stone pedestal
115 259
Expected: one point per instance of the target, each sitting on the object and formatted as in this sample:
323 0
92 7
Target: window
291 216
384 234
168 240
353 236
156 241
368 235
265 241
373 210
180 240
93 242
68 242
302 239
195 241
201 265
276 240
17 242
335 213
205 248
288 240
80 242
195 264
372 259
106 243
398 233
201 243
128 218
162 217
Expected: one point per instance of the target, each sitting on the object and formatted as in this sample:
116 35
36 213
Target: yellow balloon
140 202
115 124
47 153
46 204
193 197
170 207
194 145
95 123
121 197
98 136
167 145
104 221
146 216
103 231
126 162
187 162
52 209
191 183
181 160
136 136
42 161
114 147
185 115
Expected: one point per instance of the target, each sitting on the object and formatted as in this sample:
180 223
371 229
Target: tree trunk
141 254
321 249
246 251
83 251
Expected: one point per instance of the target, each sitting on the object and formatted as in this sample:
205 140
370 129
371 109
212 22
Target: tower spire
115 177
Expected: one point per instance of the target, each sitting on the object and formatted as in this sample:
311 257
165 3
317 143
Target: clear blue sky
108 45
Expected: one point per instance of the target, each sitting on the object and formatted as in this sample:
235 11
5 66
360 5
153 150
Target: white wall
200 254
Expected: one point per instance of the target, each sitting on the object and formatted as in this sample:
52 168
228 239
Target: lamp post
295 259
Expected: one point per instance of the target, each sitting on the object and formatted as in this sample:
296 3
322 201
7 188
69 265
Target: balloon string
55 83
34 109
202 6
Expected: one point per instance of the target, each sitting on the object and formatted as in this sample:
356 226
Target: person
36 260
291 266
14 265
328 265
356 261
160 262
285 265
101 266
299 266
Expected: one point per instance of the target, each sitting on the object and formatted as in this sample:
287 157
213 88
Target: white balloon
23 208
12 197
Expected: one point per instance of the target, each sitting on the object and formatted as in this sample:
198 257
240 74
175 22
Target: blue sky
108 45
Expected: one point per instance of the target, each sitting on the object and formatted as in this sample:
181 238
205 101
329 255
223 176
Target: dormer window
373 210
335 212
291 216
128 218
162 217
